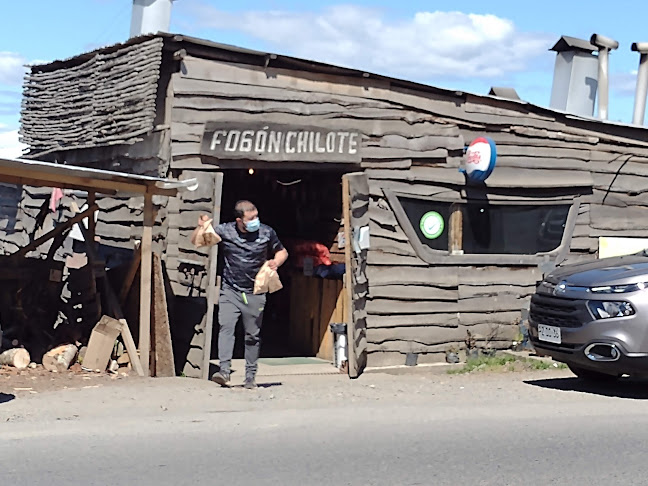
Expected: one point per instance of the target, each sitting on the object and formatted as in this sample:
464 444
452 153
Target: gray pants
232 305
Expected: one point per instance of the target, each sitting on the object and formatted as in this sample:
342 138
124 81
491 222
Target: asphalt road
505 430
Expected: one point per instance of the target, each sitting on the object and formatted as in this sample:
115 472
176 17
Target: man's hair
242 207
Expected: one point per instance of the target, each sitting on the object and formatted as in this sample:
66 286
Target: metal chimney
150 17
605 45
642 83
575 76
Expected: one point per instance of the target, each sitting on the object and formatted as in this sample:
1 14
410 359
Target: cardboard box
101 344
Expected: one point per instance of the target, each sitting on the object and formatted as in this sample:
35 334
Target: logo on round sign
432 225
480 159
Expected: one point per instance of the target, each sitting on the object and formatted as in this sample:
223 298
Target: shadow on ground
623 388
6 397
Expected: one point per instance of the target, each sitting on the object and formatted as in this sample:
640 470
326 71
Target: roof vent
642 83
604 45
502 92
150 17
575 79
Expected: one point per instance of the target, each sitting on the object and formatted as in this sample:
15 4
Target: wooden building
326 151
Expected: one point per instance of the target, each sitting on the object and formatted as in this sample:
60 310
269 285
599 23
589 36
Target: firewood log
17 357
60 358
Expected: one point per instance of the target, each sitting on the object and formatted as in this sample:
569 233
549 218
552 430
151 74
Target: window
484 231
513 230
420 212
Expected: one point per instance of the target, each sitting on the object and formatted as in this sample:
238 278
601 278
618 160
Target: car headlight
618 289
606 309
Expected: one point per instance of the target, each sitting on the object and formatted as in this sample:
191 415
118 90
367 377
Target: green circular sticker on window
432 225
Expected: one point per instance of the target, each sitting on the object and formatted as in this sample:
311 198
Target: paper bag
267 280
204 235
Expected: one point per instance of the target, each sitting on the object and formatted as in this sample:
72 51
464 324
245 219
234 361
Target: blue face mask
252 226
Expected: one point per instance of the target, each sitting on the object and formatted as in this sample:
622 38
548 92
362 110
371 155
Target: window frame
432 256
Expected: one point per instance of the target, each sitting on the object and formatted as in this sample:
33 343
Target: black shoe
250 384
221 378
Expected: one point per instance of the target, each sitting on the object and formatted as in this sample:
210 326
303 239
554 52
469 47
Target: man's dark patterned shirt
245 253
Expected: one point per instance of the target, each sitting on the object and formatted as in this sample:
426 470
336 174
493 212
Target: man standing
246 245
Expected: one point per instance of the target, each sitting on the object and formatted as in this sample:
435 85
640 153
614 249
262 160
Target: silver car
594 317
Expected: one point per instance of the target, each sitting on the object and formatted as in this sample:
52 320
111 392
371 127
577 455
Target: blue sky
464 45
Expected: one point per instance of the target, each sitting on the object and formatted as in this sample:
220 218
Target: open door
213 289
355 205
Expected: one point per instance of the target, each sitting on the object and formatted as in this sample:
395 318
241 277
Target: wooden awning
48 174
93 181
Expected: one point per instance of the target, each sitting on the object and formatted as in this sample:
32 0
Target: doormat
291 361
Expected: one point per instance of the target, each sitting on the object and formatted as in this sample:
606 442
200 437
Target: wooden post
145 285
455 240
348 277
92 225
212 288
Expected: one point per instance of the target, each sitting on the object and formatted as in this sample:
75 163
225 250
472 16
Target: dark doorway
302 206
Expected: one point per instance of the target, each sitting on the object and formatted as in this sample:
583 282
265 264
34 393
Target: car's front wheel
592 376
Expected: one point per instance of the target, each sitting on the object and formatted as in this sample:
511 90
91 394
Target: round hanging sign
432 225
480 159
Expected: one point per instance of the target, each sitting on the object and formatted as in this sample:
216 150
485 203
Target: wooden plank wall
413 143
186 265
12 230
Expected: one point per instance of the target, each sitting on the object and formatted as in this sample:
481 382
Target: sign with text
277 142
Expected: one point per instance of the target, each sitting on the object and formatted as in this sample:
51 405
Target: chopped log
17 357
60 358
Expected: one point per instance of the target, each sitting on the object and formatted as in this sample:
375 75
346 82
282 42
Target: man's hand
279 259
203 219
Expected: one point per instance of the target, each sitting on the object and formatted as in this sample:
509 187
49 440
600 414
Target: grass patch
505 363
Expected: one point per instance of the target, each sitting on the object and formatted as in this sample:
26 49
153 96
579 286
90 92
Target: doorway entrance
305 209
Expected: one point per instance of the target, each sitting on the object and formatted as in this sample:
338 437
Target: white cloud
426 46
10 146
12 68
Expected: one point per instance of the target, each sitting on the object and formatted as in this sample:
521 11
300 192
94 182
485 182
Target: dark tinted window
416 209
487 228
513 229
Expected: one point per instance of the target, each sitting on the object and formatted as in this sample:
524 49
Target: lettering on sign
275 142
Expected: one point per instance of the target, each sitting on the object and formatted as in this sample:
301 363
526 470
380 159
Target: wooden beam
31 181
92 225
161 343
55 232
348 277
130 276
145 285
455 240
212 288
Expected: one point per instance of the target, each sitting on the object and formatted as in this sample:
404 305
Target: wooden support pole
145 285
455 240
92 225
348 277
212 288
55 232
130 276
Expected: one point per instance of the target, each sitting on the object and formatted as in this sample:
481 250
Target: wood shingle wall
108 99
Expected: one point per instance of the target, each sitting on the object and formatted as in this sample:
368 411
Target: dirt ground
32 381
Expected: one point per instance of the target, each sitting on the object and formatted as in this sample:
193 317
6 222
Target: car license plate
550 334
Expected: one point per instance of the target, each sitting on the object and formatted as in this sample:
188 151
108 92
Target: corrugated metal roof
47 174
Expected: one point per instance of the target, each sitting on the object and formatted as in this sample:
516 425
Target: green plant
505 363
